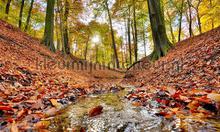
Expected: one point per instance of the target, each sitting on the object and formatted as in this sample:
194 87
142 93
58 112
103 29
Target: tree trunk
135 32
144 39
190 18
49 25
29 16
65 32
112 35
129 37
20 14
161 42
86 49
7 8
57 31
171 28
180 20
212 19
199 22
60 10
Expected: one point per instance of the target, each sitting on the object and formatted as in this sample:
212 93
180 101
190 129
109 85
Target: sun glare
96 39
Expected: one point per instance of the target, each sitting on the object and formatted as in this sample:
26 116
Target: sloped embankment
185 82
192 63
35 83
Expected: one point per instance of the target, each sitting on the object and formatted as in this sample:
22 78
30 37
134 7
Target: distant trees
48 38
29 15
7 8
161 41
20 14
125 32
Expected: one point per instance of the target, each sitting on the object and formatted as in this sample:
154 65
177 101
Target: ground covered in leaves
35 83
186 81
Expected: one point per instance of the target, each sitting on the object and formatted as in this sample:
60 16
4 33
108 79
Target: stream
119 115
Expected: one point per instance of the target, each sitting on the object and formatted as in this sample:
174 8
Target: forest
142 65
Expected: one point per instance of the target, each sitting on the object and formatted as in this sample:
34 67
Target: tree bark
49 26
29 16
190 18
65 32
60 10
212 20
129 37
180 20
20 14
145 54
112 35
135 31
7 9
57 31
86 49
161 42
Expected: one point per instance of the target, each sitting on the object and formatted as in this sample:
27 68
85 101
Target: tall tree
180 11
198 15
65 28
129 35
60 11
29 16
135 31
7 8
112 35
161 42
189 2
20 14
49 25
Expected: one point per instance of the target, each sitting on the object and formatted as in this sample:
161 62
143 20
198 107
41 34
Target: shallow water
120 116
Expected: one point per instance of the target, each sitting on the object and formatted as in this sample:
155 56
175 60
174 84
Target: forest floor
36 83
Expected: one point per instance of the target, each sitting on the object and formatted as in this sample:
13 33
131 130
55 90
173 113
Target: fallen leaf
214 96
42 125
55 103
95 111
7 108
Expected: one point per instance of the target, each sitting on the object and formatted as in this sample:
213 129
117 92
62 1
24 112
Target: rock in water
95 111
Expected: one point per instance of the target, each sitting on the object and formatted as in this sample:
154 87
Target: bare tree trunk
86 49
161 41
60 10
135 32
212 20
49 25
190 18
57 31
180 20
20 14
145 54
129 37
65 32
29 15
7 8
171 28
112 35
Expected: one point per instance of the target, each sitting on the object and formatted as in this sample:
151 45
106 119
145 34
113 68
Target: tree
65 28
112 35
129 35
198 15
49 26
189 17
20 14
7 8
29 16
160 39
135 31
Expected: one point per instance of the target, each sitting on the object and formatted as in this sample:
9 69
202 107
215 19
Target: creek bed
119 115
